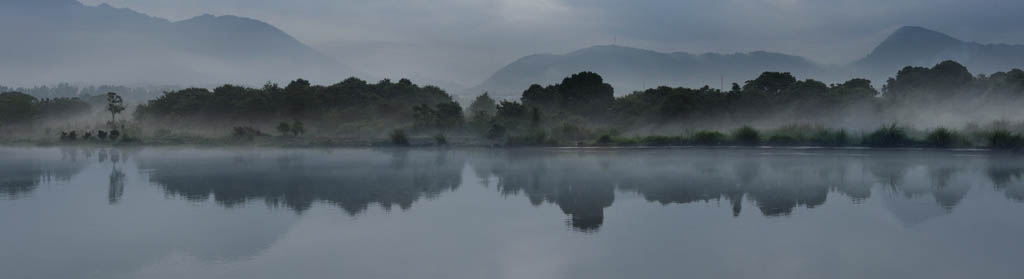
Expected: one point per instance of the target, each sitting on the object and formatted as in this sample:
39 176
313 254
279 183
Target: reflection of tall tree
116 187
351 180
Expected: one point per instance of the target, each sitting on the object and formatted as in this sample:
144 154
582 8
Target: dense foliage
23 109
348 101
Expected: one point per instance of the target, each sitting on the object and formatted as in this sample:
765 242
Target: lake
509 213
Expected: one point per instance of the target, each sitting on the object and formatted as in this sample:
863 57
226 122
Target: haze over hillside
50 41
630 69
918 46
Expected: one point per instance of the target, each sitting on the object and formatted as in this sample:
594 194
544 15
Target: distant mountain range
49 41
629 69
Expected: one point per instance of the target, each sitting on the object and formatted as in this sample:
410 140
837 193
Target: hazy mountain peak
916 37
919 46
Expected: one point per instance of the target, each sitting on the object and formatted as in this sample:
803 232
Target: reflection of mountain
22 170
353 182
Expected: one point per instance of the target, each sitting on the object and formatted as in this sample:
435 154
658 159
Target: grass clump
538 138
709 138
661 141
829 137
440 140
944 138
746 135
888 136
245 133
399 138
1004 139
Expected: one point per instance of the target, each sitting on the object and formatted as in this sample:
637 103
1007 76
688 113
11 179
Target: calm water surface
526 213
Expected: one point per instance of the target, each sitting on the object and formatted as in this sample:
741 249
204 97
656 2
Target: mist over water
510 213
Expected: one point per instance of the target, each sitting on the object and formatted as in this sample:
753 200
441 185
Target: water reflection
350 180
22 172
582 183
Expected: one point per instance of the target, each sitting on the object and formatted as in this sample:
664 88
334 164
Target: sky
465 41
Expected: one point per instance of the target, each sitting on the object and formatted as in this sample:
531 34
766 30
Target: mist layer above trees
584 108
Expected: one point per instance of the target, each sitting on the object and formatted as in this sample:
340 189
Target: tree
484 105
284 128
449 116
17 107
443 116
298 128
115 105
770 82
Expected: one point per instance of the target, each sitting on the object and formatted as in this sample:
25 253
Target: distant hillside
629 69
917 46
49 41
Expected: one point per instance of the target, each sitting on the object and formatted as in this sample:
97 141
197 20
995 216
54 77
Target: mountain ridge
629 69
65 40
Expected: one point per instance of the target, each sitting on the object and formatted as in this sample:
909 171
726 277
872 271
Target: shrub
709 138
297 128
605 139
888 136
662 141
284 128
826 137
162 133
1003 139
536 138
440 139
943 138
101 134
399 138
114 134
245 133
746 136
783 140
496 131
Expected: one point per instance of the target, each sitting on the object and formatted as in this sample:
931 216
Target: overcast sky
465 41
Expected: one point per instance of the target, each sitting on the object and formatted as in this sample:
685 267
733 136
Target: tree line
581 108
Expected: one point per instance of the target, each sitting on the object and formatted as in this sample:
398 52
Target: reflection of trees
116 187
583 184
579 190
351 180
22 170
1009 178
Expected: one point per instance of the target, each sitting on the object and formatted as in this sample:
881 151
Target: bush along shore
887 136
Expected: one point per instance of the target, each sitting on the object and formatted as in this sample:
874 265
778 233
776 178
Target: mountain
917 46
49 41
629 69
